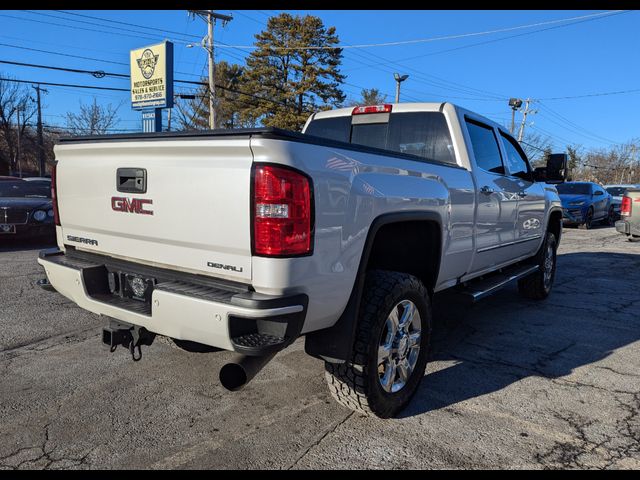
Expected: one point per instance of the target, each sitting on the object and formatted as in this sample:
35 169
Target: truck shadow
506 338
16 245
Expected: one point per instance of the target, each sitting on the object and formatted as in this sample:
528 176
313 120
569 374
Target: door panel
497 199
531 199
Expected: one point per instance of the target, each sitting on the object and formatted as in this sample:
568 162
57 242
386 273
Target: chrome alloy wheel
548 266
399 346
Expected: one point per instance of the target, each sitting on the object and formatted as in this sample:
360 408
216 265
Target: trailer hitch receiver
129 336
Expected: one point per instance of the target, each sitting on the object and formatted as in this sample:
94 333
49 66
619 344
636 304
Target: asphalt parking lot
511 384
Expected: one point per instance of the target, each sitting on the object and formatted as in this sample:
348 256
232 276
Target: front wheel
537 286
389 354
588 220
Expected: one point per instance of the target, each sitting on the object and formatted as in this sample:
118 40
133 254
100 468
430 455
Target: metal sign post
152 120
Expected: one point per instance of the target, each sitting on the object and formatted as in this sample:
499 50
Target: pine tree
292 81
229 102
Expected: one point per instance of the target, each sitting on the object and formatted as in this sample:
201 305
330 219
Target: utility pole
210 17
18 153
524 117
40 139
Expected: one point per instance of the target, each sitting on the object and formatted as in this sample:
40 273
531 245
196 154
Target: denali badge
88 241
224 267
134 205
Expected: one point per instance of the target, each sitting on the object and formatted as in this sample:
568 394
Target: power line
619 92
75 27
433 39
65 85
126 23
508 37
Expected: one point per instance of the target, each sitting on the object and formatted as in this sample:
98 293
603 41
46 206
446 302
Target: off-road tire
533 286
355 384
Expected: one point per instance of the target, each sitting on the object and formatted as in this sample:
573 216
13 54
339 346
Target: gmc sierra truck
245 240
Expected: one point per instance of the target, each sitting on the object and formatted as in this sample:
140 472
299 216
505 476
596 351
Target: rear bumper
628 228
221 315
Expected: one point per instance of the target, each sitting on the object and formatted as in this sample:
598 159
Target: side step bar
478 289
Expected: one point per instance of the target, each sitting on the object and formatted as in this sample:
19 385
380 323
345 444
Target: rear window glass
337 128
424 134
370 135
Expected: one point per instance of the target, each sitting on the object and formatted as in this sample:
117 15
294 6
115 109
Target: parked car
245 240
617 192
26 210
584 203
629 223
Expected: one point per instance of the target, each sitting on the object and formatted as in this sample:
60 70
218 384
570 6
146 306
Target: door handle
487 190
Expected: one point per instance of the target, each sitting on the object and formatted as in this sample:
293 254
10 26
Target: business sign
152 76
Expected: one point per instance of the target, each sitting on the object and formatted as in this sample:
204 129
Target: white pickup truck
245 240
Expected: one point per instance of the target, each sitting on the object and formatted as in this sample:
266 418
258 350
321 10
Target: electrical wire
433 39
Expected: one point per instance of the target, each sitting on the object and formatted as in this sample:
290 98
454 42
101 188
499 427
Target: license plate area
131 285
6 228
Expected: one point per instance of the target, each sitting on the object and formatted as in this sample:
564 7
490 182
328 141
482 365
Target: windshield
617 191
22 189
574 188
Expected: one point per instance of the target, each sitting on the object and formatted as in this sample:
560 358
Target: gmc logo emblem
134 205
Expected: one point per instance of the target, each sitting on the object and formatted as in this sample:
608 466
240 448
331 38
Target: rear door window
425 134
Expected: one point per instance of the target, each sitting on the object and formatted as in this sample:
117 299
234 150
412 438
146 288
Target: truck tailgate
197 190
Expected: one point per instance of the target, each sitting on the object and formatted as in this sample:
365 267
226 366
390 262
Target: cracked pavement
512 383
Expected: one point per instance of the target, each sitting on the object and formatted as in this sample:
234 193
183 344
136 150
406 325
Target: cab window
516 158
485 147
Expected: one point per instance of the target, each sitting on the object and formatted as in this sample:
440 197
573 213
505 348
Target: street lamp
399 79
515 104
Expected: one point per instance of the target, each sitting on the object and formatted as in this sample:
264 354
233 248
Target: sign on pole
152 76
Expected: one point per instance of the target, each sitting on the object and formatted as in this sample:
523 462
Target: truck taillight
386 108
282 215
54 194
625 208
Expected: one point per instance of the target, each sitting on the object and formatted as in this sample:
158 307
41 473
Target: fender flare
334 344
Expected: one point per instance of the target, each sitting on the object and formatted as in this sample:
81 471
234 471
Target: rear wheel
610 219
538 285
390 351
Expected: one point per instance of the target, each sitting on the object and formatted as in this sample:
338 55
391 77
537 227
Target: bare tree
92 119
13 97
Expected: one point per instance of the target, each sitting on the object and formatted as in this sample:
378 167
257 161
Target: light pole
399 79
515 104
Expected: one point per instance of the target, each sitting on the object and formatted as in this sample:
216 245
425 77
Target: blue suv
584 203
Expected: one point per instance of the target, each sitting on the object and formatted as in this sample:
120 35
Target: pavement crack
319 440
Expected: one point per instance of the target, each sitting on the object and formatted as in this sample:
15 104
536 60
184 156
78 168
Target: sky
585 58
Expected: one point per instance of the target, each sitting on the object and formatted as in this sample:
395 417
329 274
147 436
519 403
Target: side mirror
555 171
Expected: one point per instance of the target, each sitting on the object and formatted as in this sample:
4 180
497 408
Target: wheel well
555 224
411 247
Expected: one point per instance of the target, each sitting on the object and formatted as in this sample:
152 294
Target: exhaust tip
233 377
